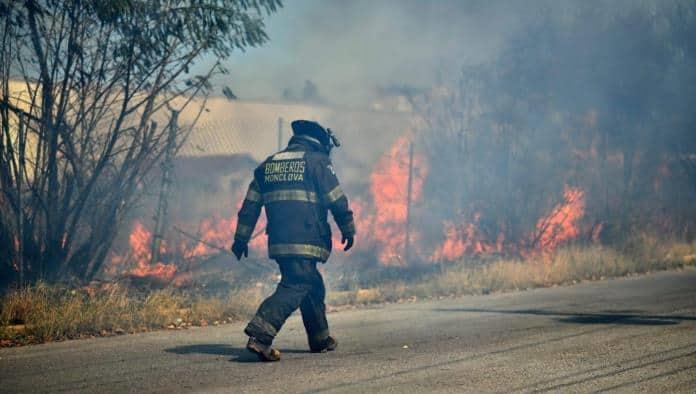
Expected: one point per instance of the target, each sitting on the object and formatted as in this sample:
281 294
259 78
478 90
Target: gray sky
348 48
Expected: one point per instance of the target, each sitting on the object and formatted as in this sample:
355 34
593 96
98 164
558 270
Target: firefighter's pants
302 286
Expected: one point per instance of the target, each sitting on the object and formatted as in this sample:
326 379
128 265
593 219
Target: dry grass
565 266
45 313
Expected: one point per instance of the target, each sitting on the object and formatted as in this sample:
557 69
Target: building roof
238 127
251 128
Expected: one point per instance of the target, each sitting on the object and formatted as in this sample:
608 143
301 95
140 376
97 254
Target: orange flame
465 238
214 236
381 223
215 232
389 189
561 224
140 241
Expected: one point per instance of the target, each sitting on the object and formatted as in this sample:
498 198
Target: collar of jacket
303 142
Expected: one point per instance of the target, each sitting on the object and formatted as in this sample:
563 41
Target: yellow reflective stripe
334 194
290 195
308 138
299 249
289 155
243 231
253 193
253 196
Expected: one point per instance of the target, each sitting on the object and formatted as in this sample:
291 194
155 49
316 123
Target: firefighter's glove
348 242
239 249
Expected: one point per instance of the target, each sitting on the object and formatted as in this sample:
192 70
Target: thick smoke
581 109
349 50
535 124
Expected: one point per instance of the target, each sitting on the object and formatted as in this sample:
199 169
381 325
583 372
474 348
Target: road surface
633 334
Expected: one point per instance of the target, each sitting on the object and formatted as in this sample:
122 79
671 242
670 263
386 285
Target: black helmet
314 131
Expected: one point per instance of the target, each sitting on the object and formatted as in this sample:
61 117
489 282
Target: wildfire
561 224
140 242
219 232
389 189
381 217
213 237
465 238
384 218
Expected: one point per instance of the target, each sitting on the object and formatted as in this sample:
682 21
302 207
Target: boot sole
262 356
324 350
333 344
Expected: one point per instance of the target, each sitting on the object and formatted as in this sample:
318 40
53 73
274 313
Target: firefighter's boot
264 352
327 345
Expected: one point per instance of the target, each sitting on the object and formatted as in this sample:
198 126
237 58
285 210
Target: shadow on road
354 383
236 354
604 317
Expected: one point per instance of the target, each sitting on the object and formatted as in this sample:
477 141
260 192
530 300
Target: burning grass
47 313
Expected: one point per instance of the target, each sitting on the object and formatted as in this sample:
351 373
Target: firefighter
297 186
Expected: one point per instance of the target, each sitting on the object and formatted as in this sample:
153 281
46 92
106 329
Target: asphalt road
633 334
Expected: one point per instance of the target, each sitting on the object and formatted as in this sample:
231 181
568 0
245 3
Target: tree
310 92
85 92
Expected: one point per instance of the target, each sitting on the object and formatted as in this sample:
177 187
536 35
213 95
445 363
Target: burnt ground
632 334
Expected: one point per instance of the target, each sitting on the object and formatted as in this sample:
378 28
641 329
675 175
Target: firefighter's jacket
297 187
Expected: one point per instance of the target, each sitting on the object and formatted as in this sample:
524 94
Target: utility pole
20 207
162 203
280 133
409 191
